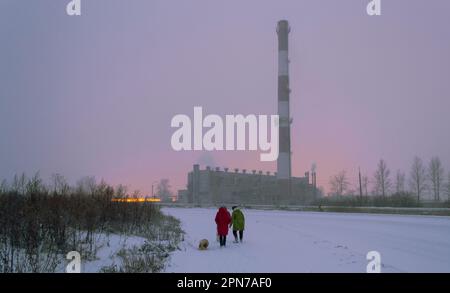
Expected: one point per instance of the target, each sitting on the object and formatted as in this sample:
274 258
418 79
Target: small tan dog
203 245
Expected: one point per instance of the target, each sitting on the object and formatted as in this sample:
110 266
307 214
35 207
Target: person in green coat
238 223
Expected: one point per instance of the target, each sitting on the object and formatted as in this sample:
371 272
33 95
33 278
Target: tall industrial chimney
284 157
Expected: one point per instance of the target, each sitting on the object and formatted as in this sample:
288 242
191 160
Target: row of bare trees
422 180
41 222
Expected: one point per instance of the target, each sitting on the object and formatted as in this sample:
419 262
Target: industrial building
222 186
216 186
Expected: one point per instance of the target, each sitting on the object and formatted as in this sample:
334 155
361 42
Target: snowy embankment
108 246
287 241
107 253
125 253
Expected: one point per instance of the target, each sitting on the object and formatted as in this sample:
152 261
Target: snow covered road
284 241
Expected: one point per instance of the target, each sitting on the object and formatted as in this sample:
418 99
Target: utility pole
360 184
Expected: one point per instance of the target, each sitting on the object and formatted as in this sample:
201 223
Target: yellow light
140 199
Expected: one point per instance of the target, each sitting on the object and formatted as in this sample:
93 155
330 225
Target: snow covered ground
284 241
110 245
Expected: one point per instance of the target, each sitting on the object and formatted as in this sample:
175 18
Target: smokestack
284 157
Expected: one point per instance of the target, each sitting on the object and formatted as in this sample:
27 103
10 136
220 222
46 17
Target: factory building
215 186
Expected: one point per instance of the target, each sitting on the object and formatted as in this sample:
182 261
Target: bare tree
34 184
418 177
399 182
339 183
4 186
86 185
436 176
382 180
120 191
448 186
59 184
365 184
19 184
136 194
163 190
352 190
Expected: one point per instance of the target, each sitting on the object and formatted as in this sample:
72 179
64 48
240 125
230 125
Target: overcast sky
94 95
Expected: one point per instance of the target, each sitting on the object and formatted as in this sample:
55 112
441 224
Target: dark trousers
223 240
241 235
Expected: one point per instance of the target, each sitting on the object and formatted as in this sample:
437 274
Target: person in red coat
223 220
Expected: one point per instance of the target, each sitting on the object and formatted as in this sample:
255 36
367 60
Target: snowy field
106 255
283 241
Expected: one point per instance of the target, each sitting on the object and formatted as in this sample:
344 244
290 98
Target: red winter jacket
223 219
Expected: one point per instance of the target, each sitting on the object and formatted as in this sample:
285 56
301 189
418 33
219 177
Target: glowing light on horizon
140 199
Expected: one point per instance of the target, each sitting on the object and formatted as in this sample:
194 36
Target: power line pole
360 184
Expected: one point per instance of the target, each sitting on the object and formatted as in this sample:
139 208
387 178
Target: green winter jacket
238 220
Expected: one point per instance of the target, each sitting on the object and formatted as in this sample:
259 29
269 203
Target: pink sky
94 95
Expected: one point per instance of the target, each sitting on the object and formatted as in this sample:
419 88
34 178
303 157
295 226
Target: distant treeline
423 185
403 199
